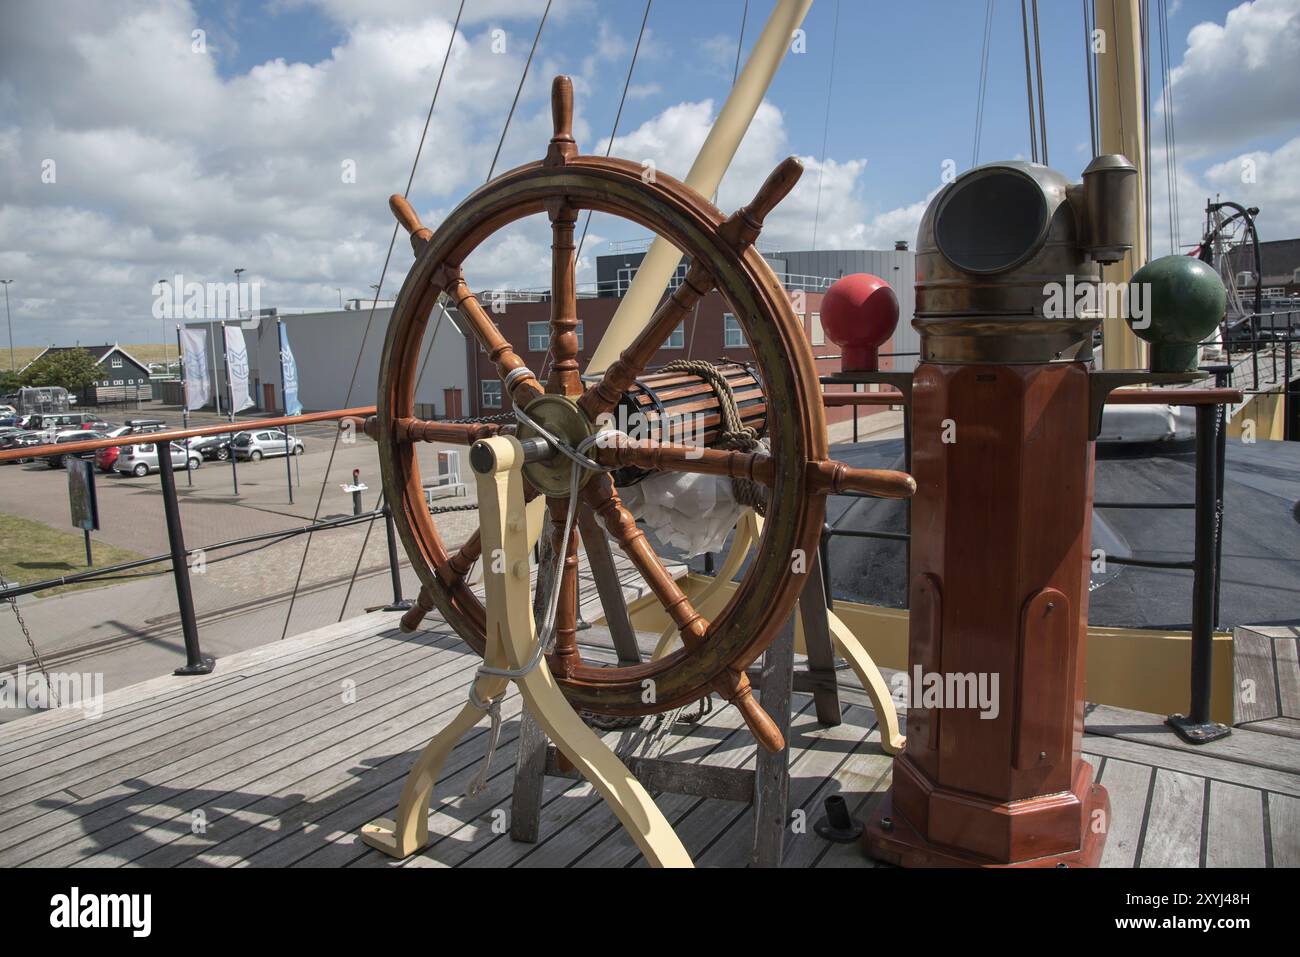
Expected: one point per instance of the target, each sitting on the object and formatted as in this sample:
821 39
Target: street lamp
238 294
12 365
163 282
340 289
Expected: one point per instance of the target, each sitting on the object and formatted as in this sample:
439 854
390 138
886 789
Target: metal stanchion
399 603
1196 727
196 663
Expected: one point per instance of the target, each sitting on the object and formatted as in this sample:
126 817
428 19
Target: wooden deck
1266 666
280 756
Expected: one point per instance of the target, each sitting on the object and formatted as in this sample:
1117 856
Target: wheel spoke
566 656
525 386
631 363
408 429
599 494
564 377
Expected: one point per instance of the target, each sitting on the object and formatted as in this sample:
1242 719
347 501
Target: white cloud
1238 81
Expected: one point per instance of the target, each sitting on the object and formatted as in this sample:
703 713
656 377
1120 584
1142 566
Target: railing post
1196 727
394 569
1221 377
196 663
824 555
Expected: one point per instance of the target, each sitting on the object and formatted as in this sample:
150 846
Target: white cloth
198 387
237 368
694 513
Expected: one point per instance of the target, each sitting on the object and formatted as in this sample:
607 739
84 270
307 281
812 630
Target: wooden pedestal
1001 532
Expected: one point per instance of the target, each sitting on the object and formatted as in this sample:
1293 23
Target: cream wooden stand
511 643
821 626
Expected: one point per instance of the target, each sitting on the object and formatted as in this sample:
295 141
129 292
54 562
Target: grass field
145 352
33 551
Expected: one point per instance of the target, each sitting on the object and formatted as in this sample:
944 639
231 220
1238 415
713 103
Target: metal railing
179 555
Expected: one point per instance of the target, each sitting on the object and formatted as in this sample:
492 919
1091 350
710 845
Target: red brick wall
703 340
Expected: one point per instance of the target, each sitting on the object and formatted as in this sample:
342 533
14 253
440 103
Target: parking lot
241 594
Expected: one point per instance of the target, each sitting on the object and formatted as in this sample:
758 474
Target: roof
1278 257
99 352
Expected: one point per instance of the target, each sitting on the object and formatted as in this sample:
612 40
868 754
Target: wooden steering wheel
797 472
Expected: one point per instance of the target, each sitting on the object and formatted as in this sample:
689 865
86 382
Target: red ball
859 314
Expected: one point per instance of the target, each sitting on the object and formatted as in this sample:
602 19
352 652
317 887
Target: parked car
140 460
264 442
8 410
74 435
8 421
214 447
23 439
105 459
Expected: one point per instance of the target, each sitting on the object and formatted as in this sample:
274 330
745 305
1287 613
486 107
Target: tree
74 369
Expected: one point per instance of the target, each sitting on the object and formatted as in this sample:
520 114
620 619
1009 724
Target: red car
106 458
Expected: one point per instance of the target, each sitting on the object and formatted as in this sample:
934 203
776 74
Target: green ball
1183 301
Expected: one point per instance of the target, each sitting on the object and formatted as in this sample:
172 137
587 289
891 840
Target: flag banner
289 375
237 369
198 385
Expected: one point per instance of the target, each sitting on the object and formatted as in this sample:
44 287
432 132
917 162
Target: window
116 362
539 336
117 382
678 339
732 336
818 333
491 394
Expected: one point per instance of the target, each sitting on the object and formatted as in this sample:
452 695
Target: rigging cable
1171 140
618 115
365 540
1038 65
735 75
1144 46
1089 59
983 84
826 125
1029 84
371 318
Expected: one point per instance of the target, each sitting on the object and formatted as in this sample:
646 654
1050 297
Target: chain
36 655
501 417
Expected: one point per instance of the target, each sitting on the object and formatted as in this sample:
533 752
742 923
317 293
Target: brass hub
560 416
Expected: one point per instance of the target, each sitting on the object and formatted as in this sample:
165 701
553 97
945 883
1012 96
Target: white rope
546 634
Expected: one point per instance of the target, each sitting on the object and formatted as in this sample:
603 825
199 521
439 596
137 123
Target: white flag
198 387
237 369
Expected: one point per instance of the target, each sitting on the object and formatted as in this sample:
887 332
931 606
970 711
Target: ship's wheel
797 471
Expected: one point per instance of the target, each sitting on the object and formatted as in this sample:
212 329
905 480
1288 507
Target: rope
546 634
826 124
1038 61
518 90
1090 60
734 434
1029 84
983 85
392 241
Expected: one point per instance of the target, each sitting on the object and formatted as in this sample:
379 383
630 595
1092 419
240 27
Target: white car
140 460
264 442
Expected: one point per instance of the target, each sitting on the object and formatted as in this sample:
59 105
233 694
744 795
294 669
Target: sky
142 139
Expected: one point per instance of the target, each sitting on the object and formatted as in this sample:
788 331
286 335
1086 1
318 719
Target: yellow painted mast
1118 44
715 156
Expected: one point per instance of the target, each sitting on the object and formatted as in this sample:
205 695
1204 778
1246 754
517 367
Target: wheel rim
739 634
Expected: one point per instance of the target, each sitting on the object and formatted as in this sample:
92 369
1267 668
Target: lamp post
238 295
163 282
340 289
12 365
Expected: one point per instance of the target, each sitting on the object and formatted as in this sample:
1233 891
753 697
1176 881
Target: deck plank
1172 836
1234 835
1287 656
1129 787
1284 829
106 818
1252 661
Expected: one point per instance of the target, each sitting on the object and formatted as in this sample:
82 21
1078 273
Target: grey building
325 347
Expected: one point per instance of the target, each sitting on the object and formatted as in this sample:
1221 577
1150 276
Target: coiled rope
734 433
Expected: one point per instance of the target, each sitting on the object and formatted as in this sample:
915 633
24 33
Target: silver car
140 460
264 442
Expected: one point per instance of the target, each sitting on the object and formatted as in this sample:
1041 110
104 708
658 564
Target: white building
325 346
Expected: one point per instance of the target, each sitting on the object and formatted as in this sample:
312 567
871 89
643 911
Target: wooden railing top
172 435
